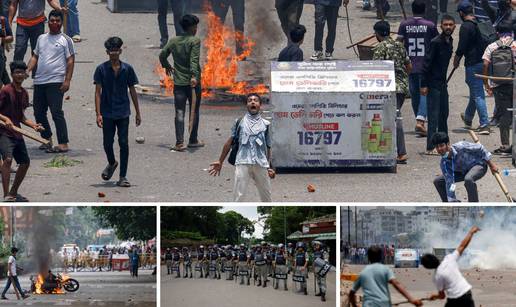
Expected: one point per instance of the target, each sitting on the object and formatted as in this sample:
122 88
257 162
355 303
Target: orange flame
40 280
221 67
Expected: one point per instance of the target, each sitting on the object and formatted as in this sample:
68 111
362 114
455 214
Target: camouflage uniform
392 50
389 49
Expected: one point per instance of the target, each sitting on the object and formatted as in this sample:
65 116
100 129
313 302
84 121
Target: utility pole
349 226
356 228
285 225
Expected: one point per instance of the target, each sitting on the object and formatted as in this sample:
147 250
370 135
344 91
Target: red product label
321 126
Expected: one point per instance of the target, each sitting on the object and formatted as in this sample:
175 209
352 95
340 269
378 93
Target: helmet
290 244
316 242
281 245
300 245
263 243
201 247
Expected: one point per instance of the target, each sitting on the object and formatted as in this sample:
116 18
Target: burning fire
221 67
40 280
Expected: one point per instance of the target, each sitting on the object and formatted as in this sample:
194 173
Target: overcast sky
250 213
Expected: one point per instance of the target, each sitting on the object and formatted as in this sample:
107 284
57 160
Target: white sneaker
76 38
328 56
317 56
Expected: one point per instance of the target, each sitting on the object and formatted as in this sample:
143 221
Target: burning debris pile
221 69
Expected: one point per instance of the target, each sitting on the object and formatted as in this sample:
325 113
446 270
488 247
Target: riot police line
257 263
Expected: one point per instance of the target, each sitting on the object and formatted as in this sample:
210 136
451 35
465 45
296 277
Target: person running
374 281
113 79
293 52
12 276
472 47
448 279
462 161
14 99
416 33
250 135
53 60
185 50
391 50
433 81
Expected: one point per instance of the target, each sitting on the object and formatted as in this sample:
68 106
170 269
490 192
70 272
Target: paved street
490 287
160 175
205 292
96 289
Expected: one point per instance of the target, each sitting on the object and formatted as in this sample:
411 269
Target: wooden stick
28 134
365 40
451 75
65 18
193 106
407 302
496 175
403 10
494 78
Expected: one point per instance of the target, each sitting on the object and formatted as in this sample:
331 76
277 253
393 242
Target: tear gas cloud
493 247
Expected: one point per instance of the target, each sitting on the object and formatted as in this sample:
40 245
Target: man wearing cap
12 275
168 261
471 47
280 267
321 280
391 50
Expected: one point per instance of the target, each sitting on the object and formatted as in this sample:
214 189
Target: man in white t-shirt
53 60
447 277
12 276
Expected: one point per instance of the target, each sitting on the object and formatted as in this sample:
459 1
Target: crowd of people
258 262
358 255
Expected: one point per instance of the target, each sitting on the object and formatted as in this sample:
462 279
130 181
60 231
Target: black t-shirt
291 53
471 45
13 109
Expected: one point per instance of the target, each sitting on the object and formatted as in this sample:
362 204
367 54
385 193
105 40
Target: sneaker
367 6
483 130
197 144
317 56
493 122
328 55
402 159
76 38
4 298
179 147
503 150
467 124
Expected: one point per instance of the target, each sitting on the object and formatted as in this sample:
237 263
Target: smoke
43 234
490 248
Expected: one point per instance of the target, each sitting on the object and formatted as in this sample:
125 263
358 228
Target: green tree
130 223
279 219
232 227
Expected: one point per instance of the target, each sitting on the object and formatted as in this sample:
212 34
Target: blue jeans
418 101
72 25
477 97
16 284
23 36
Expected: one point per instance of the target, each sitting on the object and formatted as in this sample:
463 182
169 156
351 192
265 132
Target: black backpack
502 62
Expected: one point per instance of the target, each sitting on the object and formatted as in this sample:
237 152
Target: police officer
260 264
290 256
280 267
202 261
176 259
221 8
301 264
243 264
269 253
187 262
319 252
252 268
226 257
213 264
168 261
289 14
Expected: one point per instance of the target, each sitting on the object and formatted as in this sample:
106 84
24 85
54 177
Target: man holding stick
462 161
12 276
14 99
185 50
447 277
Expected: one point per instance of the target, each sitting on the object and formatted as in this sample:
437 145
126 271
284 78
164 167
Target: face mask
54 27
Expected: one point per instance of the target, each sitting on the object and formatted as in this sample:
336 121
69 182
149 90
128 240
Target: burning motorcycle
53 284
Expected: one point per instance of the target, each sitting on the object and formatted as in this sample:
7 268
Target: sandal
179 147
46 146
402 159
123 182
9 199
197 144
108 172
21 199
56 149
432 152
502 150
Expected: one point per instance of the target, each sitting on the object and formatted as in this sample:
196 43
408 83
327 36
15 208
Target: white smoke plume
494 247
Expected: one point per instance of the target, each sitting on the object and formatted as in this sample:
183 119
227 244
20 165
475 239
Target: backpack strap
237 137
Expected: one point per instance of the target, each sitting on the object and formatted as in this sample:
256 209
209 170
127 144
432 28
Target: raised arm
465 242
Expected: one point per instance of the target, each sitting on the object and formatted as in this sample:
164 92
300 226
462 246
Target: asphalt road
95 289
490 287
159 175
209 292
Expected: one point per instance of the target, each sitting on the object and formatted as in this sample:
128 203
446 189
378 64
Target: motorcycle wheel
71 285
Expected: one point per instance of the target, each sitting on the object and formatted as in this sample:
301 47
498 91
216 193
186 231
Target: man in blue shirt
112 79
462 161
374 281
